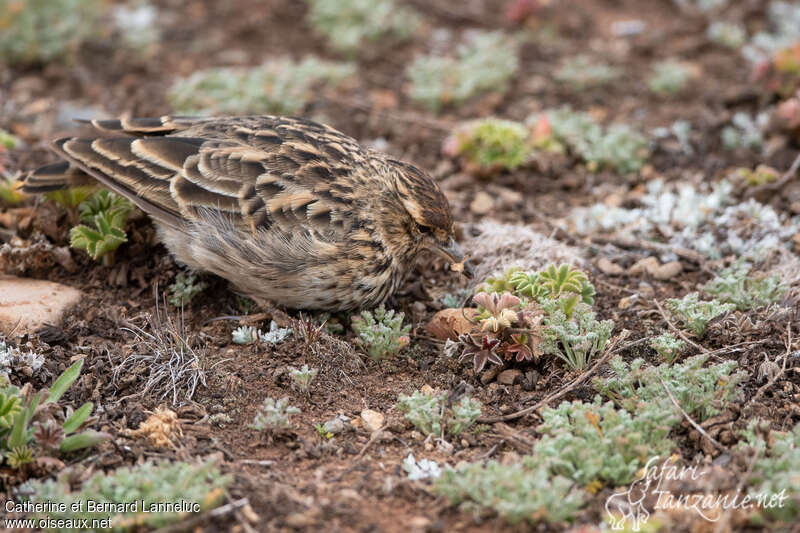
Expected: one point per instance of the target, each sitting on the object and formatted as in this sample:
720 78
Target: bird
290 211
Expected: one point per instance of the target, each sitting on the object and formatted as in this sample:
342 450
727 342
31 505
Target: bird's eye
425 230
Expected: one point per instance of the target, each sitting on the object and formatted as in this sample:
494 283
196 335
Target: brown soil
350 483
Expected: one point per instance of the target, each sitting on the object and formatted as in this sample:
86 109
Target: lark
288 210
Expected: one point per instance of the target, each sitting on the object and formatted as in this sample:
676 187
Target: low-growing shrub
145 487
483 62
351 24
382 332
669 77
727 34
521 492
280 86
492 143
667 347
431 415
272 417
695 314
701 391
574 339
39 31
745 131
184 289
735 285
303 377
617 147
593 443
775 473
582 72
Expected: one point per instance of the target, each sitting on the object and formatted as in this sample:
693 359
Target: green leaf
85 439
77 418
19 432
64 382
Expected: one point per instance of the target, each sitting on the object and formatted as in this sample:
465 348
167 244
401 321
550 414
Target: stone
510 376
482 204
607 267
28 304
647 264
668 270
373 420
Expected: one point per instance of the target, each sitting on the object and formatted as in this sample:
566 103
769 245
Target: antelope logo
628 505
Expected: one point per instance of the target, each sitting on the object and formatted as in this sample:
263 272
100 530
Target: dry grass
160 348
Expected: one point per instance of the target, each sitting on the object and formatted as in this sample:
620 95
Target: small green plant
307 329
555 282
695 314
583 72
422 469
12 358
774 478
484 62
492 143
521 492
431 415
382 332
726 34
497 311
198 487
701 391
39 31
9 191
669 77
272 417
9 194
70 198
574 339
593 443
323 432
104 215
184 288
303 377
137 23
28 429
275 335
667 347
745 131
244 335
735 285
455 299
481 351
352 24
552 282
617 147
280 86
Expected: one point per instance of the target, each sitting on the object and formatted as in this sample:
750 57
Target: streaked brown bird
288 210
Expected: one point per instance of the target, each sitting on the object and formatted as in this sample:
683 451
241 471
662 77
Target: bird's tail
55 177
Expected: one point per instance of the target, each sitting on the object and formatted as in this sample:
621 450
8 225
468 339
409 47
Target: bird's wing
258 171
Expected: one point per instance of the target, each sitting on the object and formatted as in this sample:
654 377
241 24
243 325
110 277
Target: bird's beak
452 252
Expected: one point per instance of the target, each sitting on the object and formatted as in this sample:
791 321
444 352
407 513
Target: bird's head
428 222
